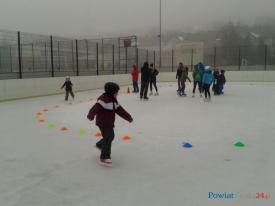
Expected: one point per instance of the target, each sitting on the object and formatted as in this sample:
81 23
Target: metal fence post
77 63
51 38
137 57
239 59
87 50
154 58
265 57
19 54
10 58
97 66
192 59
32 58
46 58
73 55
215 55
172 60
0 61
113 58
118 54
102 50
58 54
126 59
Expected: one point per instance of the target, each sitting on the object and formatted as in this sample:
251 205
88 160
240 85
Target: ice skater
221 82
183 79
105 111
178 75
153 80
207 80
197 80
135 79
68 88
216 75
145 79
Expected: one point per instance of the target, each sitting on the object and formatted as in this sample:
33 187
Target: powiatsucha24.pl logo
238 195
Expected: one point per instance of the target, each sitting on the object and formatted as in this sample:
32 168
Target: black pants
144 89
153 82
182 89
207 91
179 84
135 87
67 94
195 86
105 143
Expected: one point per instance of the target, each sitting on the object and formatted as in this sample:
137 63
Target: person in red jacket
135 79
105 111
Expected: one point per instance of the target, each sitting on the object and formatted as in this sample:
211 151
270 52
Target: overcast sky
97 18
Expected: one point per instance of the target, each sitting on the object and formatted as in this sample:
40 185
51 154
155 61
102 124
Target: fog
98 18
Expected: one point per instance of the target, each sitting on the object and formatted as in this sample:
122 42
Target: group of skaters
148 77
202 75
203 78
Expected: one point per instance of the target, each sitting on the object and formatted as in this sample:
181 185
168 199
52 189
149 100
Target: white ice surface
45 167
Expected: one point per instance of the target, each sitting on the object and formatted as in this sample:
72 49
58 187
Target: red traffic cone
128 91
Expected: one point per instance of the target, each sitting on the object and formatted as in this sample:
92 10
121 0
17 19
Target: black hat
111 88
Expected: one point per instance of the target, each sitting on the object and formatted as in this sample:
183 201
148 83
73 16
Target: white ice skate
156 94
151 93
106 162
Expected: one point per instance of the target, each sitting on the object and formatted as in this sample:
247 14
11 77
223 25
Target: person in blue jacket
207 80
202 69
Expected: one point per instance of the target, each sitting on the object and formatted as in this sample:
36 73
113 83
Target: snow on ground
42 166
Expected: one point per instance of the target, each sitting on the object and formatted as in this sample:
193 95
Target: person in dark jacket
68 88
216 75
105 110
145 79
153 79
183 79
221 82
178 75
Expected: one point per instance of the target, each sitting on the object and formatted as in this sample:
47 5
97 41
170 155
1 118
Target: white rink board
14 89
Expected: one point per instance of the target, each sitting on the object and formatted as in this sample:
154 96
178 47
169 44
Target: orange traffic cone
126 138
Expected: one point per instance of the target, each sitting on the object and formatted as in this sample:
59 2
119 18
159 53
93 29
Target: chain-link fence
24 55
244 58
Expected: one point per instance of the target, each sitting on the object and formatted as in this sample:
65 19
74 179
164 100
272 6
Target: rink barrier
28 88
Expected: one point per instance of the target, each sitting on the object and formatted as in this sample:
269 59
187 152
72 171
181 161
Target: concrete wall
21 88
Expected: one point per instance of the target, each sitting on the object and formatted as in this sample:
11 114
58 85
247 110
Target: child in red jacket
135 79
105 110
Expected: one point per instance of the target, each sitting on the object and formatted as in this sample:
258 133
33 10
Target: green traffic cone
82 132
239 144
51 126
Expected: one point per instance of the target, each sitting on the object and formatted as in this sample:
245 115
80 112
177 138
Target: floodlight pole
160 33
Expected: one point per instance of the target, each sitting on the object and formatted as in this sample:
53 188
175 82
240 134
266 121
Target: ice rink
43 166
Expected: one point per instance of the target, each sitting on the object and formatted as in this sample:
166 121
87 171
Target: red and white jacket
105 111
